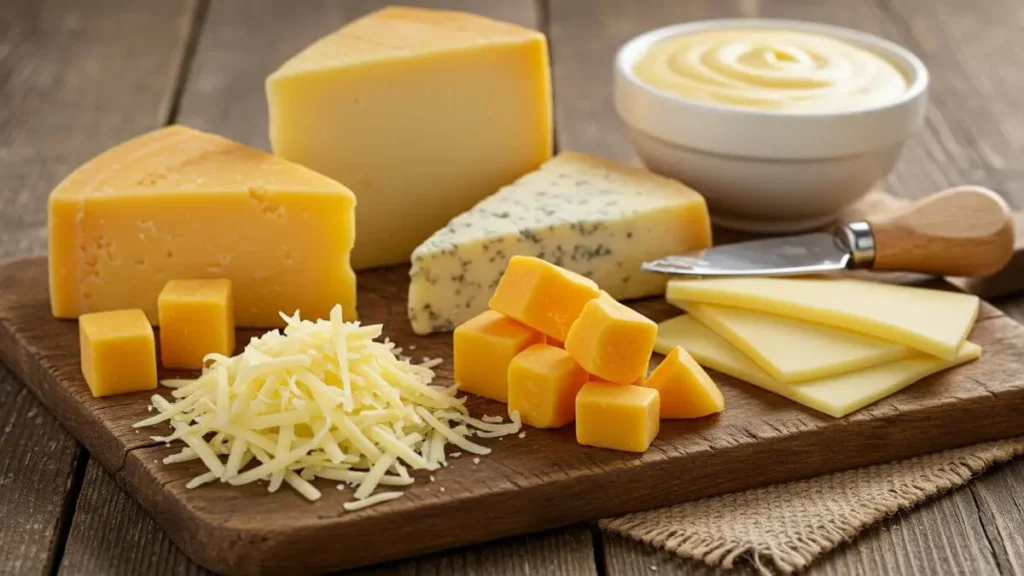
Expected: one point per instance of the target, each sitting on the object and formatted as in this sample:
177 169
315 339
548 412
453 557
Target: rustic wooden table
79 76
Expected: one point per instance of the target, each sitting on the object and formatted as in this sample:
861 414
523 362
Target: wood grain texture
113 535
528 484
75 78
1000 500
37 465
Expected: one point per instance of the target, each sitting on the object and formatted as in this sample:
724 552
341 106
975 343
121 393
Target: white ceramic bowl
768 171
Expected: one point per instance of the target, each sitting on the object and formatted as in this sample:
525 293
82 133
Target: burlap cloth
783 528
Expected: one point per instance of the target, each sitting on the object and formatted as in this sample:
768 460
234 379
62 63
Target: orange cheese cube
196 318
621 417
484 347
542 296
542 386
685 388
612 341
118 352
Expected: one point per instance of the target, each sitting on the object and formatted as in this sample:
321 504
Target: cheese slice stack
421 112
594 217
834 345
836 395
182 204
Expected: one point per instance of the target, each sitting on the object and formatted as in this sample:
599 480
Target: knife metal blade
784 256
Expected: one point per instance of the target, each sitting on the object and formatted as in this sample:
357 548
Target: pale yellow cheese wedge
836 396
794 350
932 321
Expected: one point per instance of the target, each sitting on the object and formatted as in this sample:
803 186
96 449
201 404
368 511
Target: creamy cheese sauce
778 70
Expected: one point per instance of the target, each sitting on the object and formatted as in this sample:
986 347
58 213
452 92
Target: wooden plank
37 480
1000 500
57 109
545 472
112 534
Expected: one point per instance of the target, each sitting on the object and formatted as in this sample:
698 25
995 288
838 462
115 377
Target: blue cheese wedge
595 217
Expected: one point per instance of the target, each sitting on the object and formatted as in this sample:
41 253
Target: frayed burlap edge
785 527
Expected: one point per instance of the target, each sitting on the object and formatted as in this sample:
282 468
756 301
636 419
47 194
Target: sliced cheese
794 350
421 112
594 217
321 399
836 395
933 321
178 203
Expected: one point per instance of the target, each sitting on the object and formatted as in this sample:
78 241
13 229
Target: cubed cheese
612 341
621 417
484 348
421 112
179 203
542 385
595 217
542 296
196 318
118 352
685 389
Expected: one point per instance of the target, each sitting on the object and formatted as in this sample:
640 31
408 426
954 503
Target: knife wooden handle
961 231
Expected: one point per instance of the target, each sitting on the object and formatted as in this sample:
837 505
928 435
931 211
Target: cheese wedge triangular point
793 350
932 321
178 203
836 395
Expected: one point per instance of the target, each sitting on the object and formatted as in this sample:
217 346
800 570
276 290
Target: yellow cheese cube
542 385
118 352
621 417
484 348
179 203
421 112
612 341
196 318
685 389
542 296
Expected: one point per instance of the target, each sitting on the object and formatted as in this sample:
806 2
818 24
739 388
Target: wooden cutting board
540 481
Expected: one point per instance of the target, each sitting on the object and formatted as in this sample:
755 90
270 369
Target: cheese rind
617 416
836 395
179 203
932 321
421 112
781 345
196 318
592 216
118 352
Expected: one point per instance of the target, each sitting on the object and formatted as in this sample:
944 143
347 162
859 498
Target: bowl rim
908 63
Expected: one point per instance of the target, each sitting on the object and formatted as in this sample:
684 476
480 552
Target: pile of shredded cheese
323 399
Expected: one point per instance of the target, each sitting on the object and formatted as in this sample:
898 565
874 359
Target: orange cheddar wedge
685 388
615 416
542 296
484 347
118 352
612 341
542 385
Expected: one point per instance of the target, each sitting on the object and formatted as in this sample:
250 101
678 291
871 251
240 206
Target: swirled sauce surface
768 69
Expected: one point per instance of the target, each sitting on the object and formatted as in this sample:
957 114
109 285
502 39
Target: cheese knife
962 231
